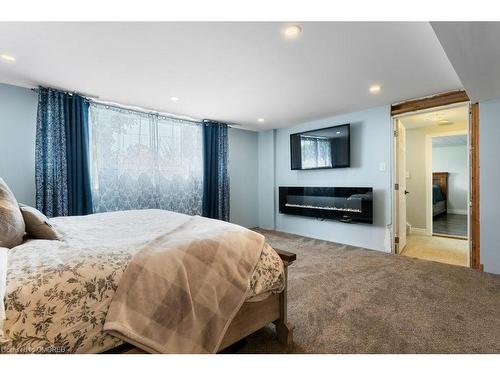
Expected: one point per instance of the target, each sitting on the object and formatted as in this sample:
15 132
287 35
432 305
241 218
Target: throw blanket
181 291
58 293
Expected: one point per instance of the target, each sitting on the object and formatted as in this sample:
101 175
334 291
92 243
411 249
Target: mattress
58 292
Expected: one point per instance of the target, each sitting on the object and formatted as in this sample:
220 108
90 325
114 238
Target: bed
439 193
58 293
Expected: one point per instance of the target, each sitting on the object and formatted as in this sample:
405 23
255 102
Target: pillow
11 219
37 224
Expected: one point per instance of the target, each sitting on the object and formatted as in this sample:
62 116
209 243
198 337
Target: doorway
432 186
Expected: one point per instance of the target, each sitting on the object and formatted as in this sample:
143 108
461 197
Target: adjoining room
436 190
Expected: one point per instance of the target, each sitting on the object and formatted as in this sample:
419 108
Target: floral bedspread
58 292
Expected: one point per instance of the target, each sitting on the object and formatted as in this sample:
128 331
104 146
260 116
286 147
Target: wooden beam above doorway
438 100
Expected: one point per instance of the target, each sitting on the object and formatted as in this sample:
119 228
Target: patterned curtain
215 171
143 160
77 151
61 154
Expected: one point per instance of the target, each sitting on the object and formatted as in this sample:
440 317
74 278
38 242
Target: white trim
456 211
394 196
470 184
419 231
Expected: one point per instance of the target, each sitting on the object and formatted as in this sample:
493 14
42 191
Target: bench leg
284 332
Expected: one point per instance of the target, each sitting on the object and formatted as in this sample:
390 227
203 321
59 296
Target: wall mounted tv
321 148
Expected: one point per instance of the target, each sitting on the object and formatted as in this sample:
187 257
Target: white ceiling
454 116
474 50
233 72
449 141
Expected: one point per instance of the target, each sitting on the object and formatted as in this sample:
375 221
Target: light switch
381 167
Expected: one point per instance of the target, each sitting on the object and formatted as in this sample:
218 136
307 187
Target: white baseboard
458 212
419 231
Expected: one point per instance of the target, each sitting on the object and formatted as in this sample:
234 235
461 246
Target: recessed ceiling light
375 89
174 99
260 120
7 58
292 31
338 132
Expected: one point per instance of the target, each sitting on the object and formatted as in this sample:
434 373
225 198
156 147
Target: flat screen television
321 148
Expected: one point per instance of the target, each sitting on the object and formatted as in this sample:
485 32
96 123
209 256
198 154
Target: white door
401 181
470 166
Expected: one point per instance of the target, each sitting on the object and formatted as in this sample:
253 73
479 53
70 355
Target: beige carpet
438 249
344 299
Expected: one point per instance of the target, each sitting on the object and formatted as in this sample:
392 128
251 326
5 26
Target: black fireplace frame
340 214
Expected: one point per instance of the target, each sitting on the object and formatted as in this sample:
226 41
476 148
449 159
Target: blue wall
243 175
259 163
489 140
17 141
371 144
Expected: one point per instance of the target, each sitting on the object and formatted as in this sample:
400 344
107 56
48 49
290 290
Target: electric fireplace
346 204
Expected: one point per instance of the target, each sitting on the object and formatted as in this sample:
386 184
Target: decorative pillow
11 219
37 224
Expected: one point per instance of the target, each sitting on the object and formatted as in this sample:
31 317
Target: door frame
433 102
395 230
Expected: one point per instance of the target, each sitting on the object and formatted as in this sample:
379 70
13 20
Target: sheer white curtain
142 160
316 152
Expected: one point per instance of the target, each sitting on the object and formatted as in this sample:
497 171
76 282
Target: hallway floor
438 249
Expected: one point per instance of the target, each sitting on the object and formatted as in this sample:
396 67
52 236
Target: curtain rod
153 112
143 110
86 96
95 99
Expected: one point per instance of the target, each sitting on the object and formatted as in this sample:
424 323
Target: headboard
441 179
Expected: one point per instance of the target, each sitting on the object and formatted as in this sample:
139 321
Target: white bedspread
58 292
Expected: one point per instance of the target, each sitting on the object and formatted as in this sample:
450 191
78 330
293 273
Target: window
142 160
